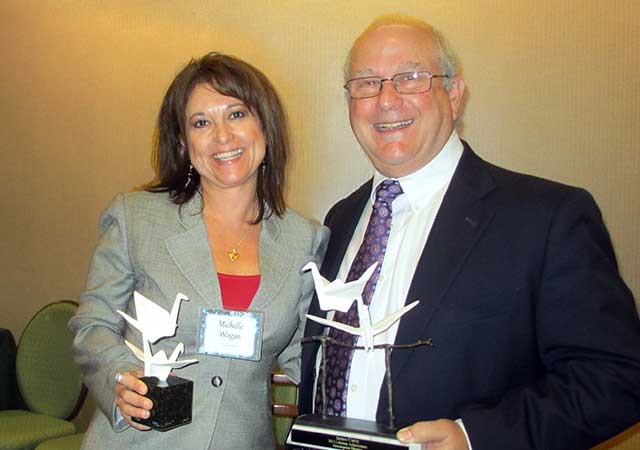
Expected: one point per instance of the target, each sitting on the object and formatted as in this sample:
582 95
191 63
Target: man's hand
441 434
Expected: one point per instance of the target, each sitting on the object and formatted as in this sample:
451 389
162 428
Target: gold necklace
233 254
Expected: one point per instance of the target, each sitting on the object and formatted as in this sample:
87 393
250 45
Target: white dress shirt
413 214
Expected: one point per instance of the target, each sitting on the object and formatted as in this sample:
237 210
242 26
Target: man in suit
536 338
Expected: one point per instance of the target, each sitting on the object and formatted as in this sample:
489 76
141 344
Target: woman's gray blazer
150 245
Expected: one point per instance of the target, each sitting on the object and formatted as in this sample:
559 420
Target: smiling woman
187 105
225 140
213 226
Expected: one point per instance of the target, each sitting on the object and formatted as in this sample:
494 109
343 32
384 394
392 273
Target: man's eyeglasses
404 83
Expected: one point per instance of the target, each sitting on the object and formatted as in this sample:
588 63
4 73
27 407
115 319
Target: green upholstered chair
48 379
284 394
284 397
71 442
284 408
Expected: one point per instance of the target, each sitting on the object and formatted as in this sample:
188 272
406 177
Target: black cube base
172 402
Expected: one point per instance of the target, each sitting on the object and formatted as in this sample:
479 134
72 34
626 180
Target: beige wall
553 90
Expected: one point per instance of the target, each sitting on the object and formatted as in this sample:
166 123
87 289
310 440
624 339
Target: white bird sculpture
366 329
337 294
160 366
155 322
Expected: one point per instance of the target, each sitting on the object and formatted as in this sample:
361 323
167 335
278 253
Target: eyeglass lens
404 83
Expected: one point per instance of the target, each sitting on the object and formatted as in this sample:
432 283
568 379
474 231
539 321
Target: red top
238 290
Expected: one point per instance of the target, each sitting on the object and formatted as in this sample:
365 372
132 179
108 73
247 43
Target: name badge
231 334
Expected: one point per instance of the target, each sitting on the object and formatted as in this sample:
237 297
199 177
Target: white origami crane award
338 295
155 322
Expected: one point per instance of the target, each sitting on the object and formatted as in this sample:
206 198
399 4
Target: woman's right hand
130 398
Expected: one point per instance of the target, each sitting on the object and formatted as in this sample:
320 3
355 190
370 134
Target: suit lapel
343 224
342 221
460 221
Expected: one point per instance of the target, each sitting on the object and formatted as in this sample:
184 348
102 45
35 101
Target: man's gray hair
446 56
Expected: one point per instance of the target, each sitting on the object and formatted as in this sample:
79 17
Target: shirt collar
420 185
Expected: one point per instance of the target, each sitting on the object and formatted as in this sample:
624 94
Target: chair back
48 379
285 396
284 406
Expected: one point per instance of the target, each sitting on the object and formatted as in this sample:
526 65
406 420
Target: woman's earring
189 176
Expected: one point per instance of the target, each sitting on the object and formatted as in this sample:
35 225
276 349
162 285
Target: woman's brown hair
235 78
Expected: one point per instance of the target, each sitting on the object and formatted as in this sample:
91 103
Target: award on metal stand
324 432
172 396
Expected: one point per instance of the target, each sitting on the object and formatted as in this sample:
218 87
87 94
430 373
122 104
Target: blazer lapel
191 253
276 265
459 223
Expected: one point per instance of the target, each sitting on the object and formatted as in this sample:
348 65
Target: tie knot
388 190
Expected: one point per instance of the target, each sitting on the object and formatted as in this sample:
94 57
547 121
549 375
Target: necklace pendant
233 255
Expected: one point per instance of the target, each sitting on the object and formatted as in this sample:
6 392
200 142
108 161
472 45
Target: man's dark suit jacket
536 338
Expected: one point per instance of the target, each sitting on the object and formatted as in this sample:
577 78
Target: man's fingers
440 434
420 432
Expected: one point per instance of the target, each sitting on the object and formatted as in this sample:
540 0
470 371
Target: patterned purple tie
371 250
